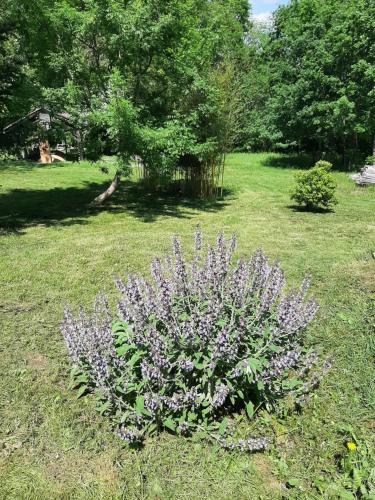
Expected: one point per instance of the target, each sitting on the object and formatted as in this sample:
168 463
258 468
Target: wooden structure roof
43 116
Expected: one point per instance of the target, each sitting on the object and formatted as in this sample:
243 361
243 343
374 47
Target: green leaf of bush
169 423
250 409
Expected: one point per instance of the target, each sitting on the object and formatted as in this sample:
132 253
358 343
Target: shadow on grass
310 210
24 165
304 161
288 161
22 208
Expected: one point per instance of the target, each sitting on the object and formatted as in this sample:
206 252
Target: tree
322 64
11 62
163 60
255 125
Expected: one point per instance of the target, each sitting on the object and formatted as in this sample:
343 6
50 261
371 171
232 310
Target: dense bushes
315 188
200 341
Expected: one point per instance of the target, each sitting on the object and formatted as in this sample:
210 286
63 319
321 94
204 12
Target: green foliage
148 62
255 124
324 165
306 82
161 148
316 187
202 340
6 156
323 74
355 466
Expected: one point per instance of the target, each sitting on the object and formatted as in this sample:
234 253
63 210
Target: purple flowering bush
201 340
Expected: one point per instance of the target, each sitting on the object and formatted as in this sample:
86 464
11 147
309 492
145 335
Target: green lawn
54 250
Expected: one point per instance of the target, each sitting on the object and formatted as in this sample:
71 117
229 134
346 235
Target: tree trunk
79 144
45 152
57 158
108 192
344 152
373 152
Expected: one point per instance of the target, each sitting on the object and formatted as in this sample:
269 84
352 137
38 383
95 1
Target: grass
54 249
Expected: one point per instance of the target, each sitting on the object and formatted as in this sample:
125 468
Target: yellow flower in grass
351 446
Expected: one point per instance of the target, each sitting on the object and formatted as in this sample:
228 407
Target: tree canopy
194 77
316 85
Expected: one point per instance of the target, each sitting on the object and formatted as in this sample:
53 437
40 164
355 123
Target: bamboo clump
205 180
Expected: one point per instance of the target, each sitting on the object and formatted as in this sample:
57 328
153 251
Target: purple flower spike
195 342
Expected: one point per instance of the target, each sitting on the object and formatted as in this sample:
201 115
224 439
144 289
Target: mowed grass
56 250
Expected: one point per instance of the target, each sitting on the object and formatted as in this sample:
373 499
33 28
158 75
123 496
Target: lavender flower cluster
196 342
251 444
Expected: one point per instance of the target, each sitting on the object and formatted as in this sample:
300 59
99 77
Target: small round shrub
315 188
201 340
